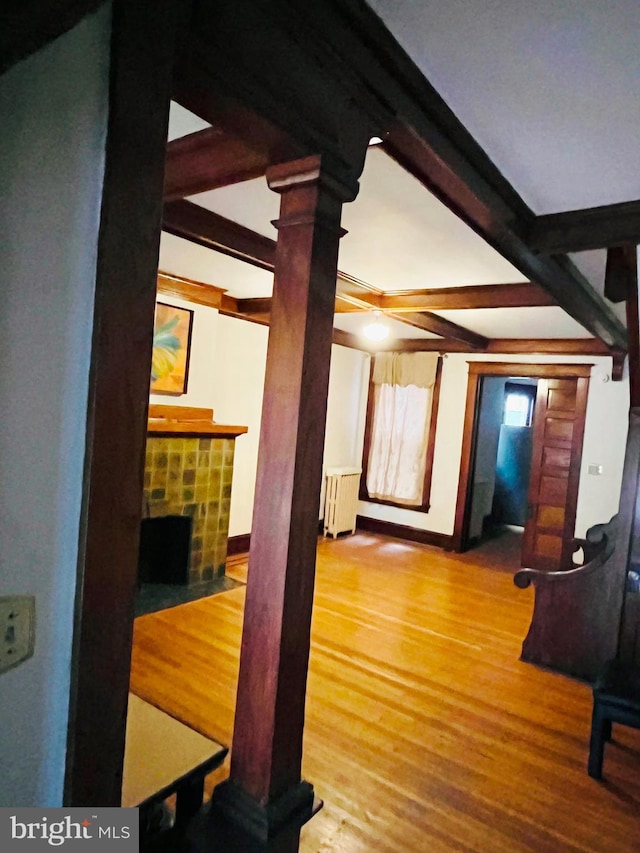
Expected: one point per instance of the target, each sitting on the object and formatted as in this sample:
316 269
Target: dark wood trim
209 159
403 531
363 494
521 295
633 325
28 25
478 369
264 784
582 394
502 228
190 290
589 228
467 462
238 544
142 50
539 371
431 442
346 339
549 346
621 272
192 222
618 357
445 328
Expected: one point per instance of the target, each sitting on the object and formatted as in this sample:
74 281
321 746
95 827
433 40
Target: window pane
517 410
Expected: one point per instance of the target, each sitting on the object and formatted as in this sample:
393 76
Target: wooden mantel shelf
187 420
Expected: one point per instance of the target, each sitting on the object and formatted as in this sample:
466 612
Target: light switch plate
17 630
595 470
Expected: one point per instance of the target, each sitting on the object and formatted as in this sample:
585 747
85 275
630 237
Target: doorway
502 460
555 436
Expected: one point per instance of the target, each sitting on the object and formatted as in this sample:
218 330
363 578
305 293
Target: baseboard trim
238 544
242 543
403 531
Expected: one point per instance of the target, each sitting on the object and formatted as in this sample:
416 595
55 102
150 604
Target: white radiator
341 500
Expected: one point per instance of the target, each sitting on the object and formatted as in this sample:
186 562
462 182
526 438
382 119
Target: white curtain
403 387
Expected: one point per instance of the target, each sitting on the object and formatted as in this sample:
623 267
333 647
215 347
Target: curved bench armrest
525 577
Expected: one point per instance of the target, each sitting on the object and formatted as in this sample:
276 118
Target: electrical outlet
17 629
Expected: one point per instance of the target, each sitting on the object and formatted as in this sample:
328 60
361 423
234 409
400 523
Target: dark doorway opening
502 461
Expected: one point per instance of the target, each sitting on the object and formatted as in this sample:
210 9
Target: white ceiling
355 323
547 322
399 237
549 88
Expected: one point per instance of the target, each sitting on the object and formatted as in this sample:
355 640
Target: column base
263 823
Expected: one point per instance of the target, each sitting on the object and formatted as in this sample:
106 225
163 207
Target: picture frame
171 349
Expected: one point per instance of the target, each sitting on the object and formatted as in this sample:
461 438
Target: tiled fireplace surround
188 471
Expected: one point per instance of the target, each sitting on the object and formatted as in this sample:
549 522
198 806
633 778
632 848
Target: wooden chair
616 699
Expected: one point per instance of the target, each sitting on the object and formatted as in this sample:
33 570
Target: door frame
478 370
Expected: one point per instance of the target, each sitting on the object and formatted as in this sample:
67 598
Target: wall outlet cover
17 630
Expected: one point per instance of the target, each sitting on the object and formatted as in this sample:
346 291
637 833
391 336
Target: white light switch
595 470
17 629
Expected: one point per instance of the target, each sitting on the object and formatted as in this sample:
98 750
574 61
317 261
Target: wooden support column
265 792
143 46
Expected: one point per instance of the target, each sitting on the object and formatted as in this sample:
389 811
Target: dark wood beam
192 291
633 325
445 328
466 195
257 305
497 346
521 295
548 346
265 779
202 226
195 223
142 49
357 293
209 159
621 272
589 228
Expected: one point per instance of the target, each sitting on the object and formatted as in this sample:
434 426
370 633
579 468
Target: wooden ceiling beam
192 291
520 295
582 230
621 275
208 159
444 328
502 222
192 222
548 346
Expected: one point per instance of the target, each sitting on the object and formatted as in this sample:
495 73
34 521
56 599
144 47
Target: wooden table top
160 751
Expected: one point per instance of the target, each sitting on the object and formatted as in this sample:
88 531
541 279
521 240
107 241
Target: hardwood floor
424 731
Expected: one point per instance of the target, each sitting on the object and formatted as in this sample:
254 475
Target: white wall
604 444
54 112
226 373
240 359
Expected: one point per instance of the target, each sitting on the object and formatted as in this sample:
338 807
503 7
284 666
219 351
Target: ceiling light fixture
375 140
376 330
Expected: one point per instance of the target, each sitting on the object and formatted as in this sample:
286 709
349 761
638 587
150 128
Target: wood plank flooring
424 731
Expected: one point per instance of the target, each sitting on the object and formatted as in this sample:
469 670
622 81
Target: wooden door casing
558 427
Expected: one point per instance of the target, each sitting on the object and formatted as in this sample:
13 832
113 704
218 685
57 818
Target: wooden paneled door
558 428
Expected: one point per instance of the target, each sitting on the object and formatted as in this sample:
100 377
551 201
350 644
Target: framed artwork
171 349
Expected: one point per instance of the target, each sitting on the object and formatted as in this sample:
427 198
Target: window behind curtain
400 429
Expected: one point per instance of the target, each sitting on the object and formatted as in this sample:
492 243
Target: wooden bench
164 757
